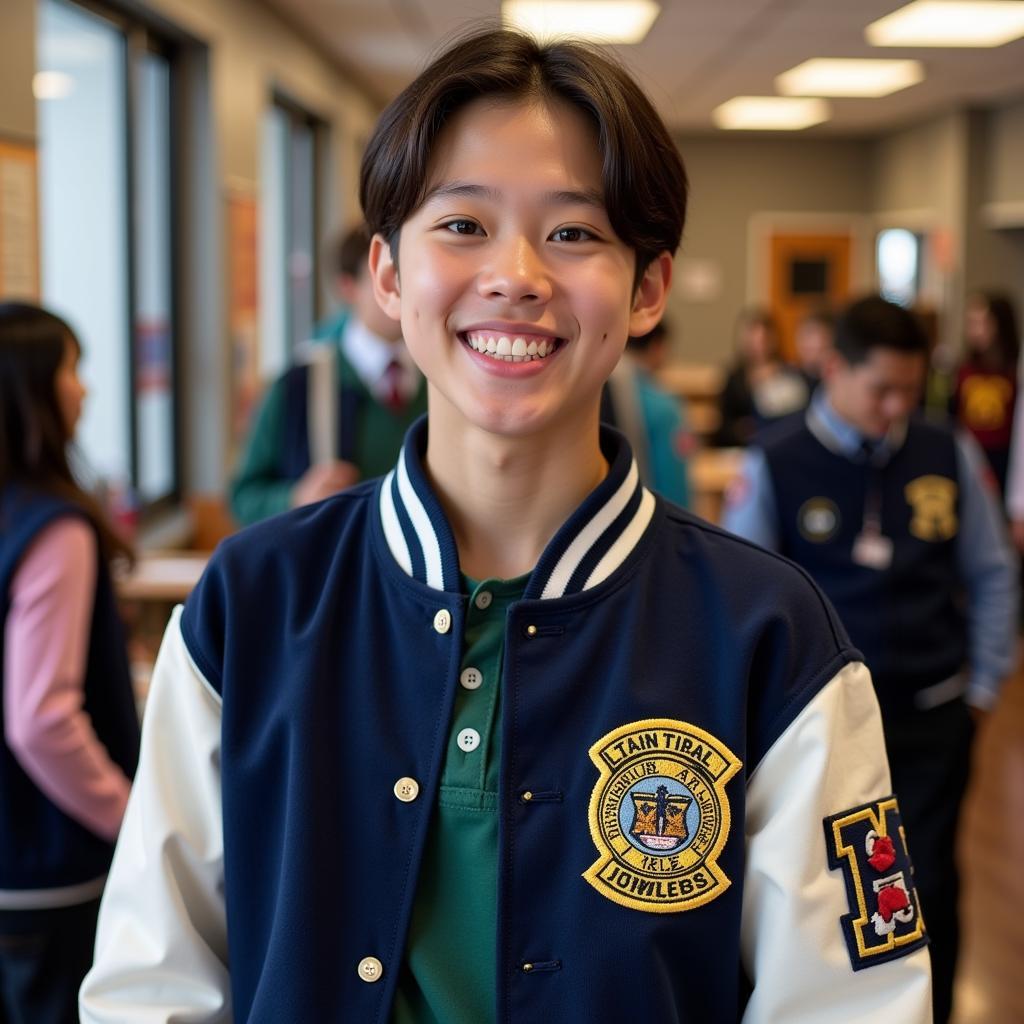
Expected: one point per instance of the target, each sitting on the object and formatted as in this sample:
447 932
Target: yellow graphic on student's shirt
659 815
933 499
985 402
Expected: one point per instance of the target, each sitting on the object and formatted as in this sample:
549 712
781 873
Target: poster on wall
19 222
243 306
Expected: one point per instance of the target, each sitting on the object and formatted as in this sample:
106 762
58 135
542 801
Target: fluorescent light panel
827 76
961 23
770 113
599 21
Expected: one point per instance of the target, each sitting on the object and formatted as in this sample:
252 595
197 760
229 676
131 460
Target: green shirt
448 974
258 490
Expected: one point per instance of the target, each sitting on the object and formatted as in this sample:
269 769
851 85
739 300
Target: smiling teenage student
513 739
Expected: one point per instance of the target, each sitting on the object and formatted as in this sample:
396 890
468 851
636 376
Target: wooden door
807 271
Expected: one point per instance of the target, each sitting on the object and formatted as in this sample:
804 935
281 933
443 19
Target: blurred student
813 344
653 420
892 518
70 732
985 389
760 387
340 414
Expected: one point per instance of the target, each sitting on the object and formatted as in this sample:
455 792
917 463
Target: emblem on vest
868 844
933 500
659 816
818 520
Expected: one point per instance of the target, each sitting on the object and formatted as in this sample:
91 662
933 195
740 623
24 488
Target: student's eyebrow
562 197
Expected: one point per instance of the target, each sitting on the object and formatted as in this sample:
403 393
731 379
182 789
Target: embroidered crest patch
818 520
659 815
869 845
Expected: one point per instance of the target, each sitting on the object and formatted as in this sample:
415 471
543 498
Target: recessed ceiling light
52 85
600 21
770 113
950 23
826 76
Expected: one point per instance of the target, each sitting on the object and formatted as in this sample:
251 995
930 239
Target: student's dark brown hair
643 178
33 435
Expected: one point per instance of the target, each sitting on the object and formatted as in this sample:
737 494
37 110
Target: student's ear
651 295
384 271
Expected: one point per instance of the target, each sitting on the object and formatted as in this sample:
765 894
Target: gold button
527 797
443 621
370 969
531 630
407 790
527 968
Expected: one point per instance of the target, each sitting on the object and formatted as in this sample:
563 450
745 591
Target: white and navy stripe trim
597 539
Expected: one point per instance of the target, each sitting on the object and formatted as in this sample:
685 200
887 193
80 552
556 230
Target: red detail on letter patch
883 856
891 900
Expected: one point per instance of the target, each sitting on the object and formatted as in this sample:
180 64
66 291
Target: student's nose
516 272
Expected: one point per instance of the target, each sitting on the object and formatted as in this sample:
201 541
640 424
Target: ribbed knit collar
593 542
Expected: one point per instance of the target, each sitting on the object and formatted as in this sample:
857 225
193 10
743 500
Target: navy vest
321 631
40 846
907 618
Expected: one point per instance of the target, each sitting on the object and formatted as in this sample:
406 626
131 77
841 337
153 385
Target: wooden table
164 577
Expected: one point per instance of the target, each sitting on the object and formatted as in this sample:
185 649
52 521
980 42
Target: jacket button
443 621
531 631
370 969
407 790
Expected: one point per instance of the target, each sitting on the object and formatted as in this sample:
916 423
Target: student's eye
572 235
462 227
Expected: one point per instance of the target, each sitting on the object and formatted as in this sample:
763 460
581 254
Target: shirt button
483 600
471 678
443 621
370 969
407 790
468 740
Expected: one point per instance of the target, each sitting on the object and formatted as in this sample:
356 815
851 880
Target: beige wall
1004 179
734 180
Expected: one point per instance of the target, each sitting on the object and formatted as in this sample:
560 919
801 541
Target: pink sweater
46 644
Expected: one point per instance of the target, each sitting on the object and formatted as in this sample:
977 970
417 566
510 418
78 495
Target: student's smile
515 293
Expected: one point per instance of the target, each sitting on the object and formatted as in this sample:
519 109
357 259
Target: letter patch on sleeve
659 815
869 845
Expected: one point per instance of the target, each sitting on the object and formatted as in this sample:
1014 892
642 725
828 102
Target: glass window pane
274 341
83 215
303 231
154 378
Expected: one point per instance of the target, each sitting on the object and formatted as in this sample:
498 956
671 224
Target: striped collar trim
595 541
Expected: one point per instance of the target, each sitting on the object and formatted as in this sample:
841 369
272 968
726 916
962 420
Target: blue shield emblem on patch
659 819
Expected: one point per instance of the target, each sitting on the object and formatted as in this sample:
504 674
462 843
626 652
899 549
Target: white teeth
510 350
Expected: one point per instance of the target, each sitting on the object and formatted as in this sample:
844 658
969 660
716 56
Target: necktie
392 390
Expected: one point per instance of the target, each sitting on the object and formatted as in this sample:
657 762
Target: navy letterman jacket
656 671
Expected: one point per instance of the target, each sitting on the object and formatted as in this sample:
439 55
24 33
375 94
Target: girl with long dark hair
70 733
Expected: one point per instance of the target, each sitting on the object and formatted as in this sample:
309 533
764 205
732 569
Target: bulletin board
19 221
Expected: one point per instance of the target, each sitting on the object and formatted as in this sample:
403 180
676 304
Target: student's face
878 393
69 388
512 249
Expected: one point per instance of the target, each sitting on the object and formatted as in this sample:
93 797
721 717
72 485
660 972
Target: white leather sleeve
161 947
830 759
